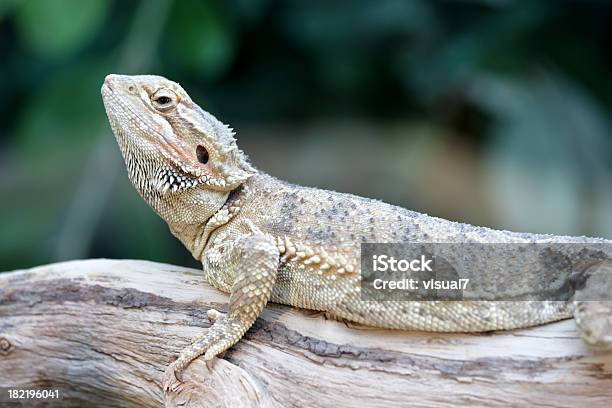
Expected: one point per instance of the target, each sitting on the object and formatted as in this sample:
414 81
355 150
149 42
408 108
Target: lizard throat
227 212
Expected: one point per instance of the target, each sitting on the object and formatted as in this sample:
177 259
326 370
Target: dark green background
490 112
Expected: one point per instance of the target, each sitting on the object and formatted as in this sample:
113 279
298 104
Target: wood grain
103 331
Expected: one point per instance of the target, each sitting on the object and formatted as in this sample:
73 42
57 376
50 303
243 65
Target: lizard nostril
109 78
108 81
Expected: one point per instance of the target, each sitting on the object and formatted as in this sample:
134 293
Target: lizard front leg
253 260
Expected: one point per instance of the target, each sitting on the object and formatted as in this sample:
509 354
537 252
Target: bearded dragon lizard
261 239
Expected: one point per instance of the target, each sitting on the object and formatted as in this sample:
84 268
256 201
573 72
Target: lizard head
176 153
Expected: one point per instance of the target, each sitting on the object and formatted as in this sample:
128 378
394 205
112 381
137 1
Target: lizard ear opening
202 154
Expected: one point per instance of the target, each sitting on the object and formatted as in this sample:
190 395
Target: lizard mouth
170 180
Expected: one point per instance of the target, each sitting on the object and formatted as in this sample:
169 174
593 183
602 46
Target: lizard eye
164 100
202 154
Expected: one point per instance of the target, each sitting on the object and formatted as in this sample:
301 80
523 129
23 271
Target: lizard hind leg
594 323
593 306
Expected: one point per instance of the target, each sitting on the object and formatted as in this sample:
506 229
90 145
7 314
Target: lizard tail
453 316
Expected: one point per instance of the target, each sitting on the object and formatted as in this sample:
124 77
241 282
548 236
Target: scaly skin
261 239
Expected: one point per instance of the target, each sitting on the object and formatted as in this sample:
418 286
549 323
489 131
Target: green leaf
59 28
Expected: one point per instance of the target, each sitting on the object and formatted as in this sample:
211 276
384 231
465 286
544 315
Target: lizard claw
209 365
173 378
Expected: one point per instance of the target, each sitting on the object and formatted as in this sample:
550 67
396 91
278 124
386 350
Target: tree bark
103 331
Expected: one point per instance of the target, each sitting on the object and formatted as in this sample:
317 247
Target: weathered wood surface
103 331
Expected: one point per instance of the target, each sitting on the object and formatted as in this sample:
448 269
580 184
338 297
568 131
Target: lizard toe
172 378
214 315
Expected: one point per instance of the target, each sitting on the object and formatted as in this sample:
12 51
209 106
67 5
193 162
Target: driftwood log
103 332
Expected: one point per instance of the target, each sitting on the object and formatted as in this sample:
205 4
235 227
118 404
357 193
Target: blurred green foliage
487 111
48 29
